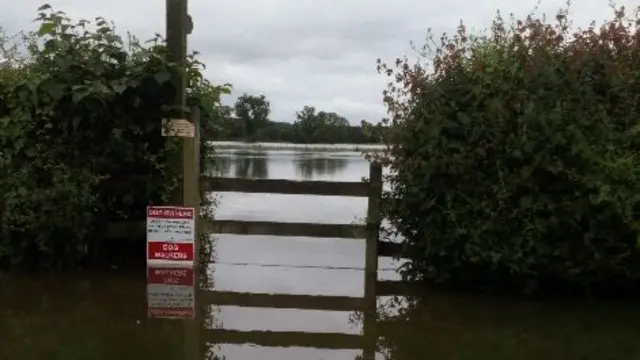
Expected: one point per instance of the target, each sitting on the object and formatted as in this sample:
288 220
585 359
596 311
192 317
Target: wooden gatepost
178 26
374 216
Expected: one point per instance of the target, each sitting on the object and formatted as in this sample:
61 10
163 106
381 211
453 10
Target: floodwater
114 315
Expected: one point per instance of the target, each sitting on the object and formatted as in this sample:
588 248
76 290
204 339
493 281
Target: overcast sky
303 52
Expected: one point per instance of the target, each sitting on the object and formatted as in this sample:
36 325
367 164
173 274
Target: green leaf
119 89
79 93
46 28
526 202
162 77
44 7
56 91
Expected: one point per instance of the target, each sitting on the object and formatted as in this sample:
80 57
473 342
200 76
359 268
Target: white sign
171 234
178 128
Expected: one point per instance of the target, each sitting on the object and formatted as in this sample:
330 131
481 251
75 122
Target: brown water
106 316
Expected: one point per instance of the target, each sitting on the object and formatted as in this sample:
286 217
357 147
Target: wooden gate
193 186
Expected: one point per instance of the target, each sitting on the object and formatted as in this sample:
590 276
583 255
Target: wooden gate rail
136 229
389 249
282 301
285 339
286 187
242 227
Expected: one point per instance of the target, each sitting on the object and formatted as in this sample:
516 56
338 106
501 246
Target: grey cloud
305 52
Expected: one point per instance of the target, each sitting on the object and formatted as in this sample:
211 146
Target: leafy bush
80 137
515 156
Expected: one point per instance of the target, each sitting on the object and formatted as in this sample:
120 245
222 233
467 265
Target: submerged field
267 146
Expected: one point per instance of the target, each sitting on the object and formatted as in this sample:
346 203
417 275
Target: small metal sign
178 128
171 235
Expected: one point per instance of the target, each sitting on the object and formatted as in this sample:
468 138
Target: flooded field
110 315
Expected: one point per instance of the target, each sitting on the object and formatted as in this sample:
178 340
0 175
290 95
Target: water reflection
310 165
278 298
100 316
172 296
222 165
242 164
251 305
481 327
170 292
251 165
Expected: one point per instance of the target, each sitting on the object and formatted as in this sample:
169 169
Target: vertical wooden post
191 173
374 216
177 28
191 198
186 159
176 31
371 261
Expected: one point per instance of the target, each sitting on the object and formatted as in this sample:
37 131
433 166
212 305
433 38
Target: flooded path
105 316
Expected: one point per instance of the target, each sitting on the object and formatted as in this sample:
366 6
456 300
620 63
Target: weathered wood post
191 175
187 194
374 217
187 159
176 32
191 197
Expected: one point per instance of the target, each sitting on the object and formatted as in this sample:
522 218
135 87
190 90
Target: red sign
170 251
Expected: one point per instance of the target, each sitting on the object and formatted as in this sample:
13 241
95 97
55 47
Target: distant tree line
248 120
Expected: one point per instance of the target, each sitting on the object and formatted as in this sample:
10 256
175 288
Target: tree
305 126
321 127
514 157
253 112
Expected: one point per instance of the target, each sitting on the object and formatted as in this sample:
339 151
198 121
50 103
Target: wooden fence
373 288
191 189
372 189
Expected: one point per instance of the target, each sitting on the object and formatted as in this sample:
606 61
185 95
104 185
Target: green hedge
80 120
515 156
